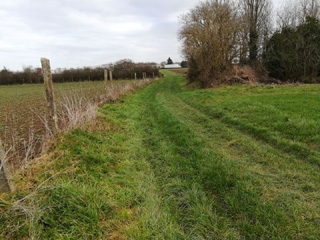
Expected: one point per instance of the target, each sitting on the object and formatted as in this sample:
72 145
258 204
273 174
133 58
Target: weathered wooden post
111 77
5 176
135 76
51 107
105 79
153 75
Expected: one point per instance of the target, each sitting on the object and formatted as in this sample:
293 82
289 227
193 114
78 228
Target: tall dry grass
74 110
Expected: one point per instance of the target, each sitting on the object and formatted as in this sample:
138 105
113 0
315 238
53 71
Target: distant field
180 71
21 106
18 102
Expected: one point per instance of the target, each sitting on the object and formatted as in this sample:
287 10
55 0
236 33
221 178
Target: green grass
167 162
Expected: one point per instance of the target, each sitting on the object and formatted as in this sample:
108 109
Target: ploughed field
172 162
23 109
182 71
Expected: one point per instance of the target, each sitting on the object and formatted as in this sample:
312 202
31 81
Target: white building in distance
172 66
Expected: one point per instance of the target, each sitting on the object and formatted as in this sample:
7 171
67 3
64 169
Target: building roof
172 66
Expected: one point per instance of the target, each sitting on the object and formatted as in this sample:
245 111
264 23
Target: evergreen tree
184 64
293 53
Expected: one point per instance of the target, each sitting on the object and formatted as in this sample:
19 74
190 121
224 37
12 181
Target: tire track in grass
192 190
183 196
196 165
264 167
152 219
220 176
155 217
296 149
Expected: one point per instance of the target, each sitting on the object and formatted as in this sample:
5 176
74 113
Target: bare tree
310 8
288 15
210 35
257 15
295 12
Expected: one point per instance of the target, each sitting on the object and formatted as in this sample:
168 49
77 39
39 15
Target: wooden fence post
105 79
5 176
111 77
153 75
51 107
135 76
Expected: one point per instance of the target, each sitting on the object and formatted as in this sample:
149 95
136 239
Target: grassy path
212 179
173 163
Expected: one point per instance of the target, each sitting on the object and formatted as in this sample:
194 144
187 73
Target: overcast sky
76 33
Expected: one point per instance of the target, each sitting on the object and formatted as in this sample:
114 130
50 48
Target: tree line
123 69
218 34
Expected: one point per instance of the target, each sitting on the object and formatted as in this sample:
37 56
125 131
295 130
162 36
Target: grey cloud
75 33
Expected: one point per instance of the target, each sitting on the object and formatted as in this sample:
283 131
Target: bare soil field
23 110
180 71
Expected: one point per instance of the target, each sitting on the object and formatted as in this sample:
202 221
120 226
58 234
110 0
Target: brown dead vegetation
239 74
243 75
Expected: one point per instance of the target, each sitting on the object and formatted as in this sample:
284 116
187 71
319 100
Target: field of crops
23 109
